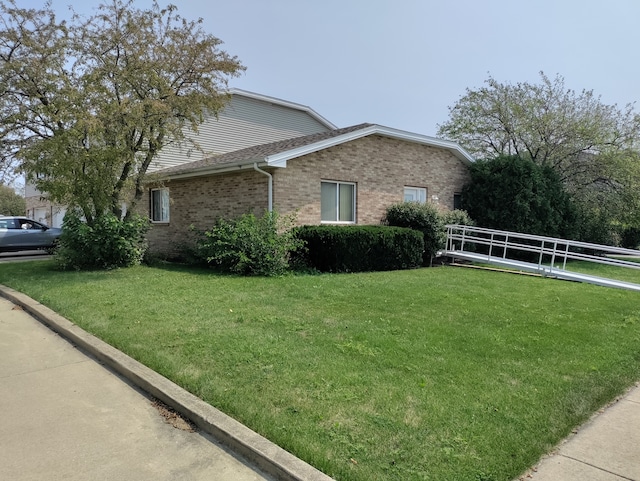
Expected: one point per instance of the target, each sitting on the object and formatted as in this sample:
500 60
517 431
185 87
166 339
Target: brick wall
380 167
199 201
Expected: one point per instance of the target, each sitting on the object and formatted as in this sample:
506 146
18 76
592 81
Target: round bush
422 217
106 244
248 245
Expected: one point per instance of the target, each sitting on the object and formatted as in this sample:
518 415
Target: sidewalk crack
581 461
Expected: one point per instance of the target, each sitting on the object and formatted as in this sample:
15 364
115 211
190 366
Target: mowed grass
431 374
626 274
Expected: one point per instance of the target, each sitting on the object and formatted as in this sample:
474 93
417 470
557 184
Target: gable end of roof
277 154
364 130
283 103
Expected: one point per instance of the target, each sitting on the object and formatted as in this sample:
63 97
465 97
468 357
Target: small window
160 205
457 201
415 194
338 202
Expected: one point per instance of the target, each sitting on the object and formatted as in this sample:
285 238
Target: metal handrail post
490 246
540 256
553 256
464 234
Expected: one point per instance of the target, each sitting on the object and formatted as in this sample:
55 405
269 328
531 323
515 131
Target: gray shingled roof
258 153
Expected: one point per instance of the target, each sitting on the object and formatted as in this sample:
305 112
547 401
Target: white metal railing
492 245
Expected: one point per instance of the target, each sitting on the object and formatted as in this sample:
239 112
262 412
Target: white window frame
417 194
337 202
165 210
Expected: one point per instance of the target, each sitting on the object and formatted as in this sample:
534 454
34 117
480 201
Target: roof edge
280 159
223 169
454 148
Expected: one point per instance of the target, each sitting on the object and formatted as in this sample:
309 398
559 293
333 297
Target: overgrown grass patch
442 373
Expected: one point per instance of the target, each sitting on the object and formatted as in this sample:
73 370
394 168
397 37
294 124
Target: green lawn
431 374
602 270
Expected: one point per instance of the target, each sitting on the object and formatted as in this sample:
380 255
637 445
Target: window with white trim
338 202
159 205
415 194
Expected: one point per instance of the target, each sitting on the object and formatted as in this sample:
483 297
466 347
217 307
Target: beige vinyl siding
31 191
245 122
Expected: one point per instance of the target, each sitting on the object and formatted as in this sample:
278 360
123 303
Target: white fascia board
453 147
222 169
284 103
280 159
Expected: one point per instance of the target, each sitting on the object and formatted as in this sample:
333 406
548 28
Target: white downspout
270 184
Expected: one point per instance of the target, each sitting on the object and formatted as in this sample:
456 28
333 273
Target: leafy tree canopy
86 105
585 141
516 194
10 202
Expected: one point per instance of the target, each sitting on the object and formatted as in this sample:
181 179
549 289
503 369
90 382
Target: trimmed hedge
331 248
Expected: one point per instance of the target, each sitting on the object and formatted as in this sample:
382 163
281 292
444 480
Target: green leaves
249 245
591 146
10 202
422 217
108 243
360 248
515 194
87 105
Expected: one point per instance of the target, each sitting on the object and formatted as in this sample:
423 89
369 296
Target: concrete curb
264 454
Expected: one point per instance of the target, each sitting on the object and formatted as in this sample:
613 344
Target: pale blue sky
401 63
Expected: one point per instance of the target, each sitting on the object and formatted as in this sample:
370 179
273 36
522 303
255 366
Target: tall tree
592 146
10 202
86 105
516 194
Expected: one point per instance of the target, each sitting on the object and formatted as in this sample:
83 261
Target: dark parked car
22 233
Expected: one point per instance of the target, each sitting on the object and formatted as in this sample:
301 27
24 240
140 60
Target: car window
9 224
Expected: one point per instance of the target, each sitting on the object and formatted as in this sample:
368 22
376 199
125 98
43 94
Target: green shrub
630 237
597 227
248 245
422 217
515 194
10 202
457 217
331 248
106 244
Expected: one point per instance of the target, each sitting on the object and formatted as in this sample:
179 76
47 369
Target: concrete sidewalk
607 448
65 416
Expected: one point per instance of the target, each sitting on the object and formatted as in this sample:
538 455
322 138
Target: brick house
247 119
341 176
